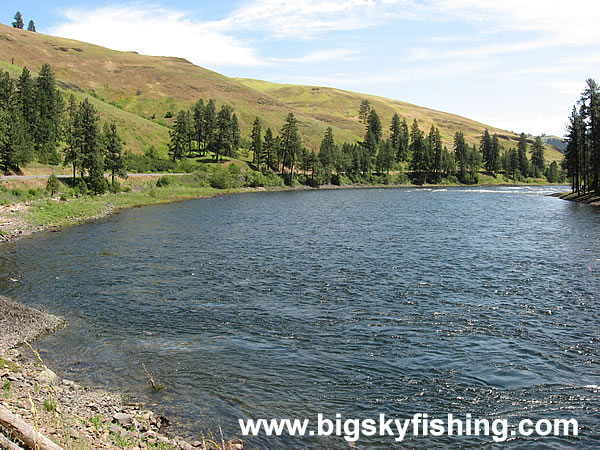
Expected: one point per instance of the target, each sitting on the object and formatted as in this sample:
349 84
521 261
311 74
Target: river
358 302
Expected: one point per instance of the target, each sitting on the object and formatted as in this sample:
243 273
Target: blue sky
515 64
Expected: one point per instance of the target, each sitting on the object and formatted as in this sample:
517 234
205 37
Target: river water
358 302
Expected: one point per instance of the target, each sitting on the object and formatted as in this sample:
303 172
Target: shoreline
67 413
587 199
16 222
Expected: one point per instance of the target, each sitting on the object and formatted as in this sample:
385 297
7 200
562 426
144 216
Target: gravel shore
71 415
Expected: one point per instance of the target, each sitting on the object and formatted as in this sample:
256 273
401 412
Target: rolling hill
137 91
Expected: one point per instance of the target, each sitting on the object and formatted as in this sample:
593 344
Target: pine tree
256 143
590 111
485 145
395 130
198 122
538 165
328 153
113 152
235 136
223 139
419 163
49 103
7 91
374 125
18 23
209 121
574 153
385 157
522 155
436 150
72 152
31 26
88 139
26 99
363 112
269 149
181 136
290 144
494 157
460 154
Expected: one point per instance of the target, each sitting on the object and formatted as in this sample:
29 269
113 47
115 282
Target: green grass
6 389
54 213
5 364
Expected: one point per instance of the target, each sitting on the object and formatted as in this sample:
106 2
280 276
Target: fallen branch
6 443
18 428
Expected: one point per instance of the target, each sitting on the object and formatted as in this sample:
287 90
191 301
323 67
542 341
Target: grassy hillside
136 91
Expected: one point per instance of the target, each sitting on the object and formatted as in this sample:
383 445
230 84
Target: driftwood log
18 428
8 445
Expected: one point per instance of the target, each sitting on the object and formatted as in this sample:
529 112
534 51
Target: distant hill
137 91
559 143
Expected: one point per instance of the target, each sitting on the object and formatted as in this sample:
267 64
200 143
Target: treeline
411 154
18 23
582 156
35 124
202 129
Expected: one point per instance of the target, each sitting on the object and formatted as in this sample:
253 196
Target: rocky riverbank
589 199
69 414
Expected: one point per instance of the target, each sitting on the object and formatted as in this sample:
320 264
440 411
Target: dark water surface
360 302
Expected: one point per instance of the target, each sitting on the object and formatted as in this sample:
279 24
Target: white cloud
329 55
570 22
156 31
303 19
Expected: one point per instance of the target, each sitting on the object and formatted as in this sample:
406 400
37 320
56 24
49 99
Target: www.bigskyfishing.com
420 424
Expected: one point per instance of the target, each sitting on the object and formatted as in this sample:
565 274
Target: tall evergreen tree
435 151
269 150
18 23
113 152
198 124
461 151
522 155
590 111
485 145
31 26
419 163
290 144
181 136
224 136
575 151
26 99
256 143
89 140
72 150
395 130
209 123
494 156
328 152
538 165
385 157
49 103
7 91
374 125
235 136
364 110
404 141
